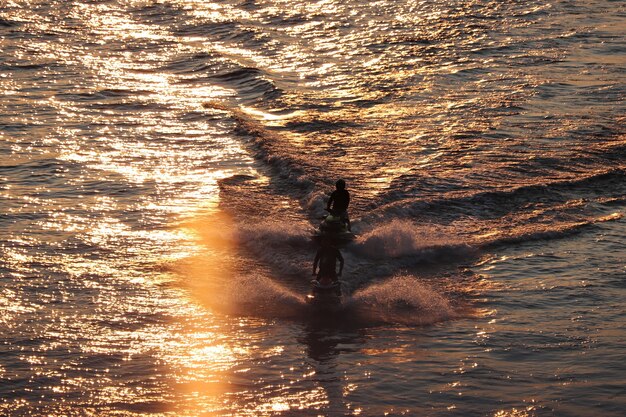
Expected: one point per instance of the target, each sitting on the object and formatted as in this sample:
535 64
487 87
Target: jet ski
334 229
324 293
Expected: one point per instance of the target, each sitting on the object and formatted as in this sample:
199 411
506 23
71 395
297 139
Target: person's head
340 184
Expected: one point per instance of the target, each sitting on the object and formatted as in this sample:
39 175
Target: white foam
402 299
400 238
261 296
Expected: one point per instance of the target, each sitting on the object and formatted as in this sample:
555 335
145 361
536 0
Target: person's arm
330 200
347 199
340 262
316 261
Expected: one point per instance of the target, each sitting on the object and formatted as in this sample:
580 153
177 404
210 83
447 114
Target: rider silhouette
327 257
340 200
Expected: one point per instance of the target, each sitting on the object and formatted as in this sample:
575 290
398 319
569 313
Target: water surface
163 165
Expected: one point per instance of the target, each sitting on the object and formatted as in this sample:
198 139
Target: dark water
163 164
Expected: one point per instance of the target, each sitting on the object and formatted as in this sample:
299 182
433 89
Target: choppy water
163 163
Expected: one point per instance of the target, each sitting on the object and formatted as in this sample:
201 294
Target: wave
401 299
429 243
497 203
252 294
198 63
5 23
103 94
321 125
260 296
534 232
268 147
224 31
25 67
134 106
159 13
401 238
250 83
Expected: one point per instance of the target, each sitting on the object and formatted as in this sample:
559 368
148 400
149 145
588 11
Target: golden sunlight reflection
145 86
214 11
206 273
218 346
269 116
514 412
205 355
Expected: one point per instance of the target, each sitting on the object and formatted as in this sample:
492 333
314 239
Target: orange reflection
205 353
207 272
218 346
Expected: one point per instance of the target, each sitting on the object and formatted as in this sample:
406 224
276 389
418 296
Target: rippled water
163 164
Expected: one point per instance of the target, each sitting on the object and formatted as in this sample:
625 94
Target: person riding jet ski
327 257
327 281
336 225
339 202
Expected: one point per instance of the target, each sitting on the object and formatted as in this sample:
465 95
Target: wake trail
384 279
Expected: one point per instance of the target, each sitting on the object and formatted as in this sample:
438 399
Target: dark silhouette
340 200
327 257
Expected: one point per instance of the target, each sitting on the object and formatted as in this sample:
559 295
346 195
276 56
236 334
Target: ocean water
163 165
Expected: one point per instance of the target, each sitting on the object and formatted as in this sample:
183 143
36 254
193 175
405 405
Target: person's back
327 257
340 200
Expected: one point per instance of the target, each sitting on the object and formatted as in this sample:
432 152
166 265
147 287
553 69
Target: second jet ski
325 293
